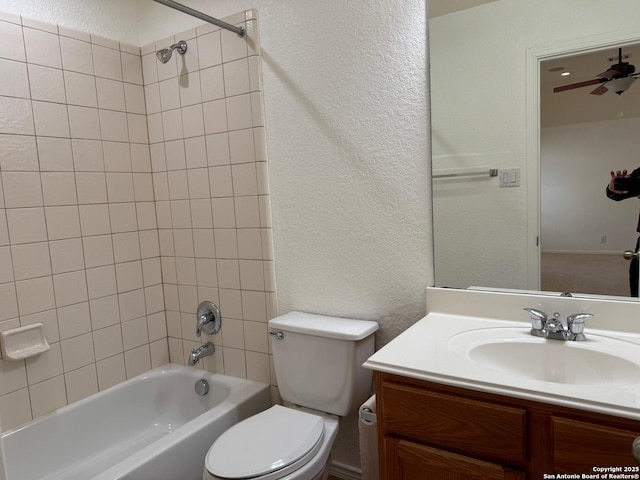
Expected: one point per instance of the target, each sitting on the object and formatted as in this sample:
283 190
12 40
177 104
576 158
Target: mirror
490 112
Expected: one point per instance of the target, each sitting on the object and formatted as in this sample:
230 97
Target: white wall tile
98 250
62 222
45 366
104 312
55 154
74 320
101 281
236 77
111 371
66 255
106 62
212 81
110 94
209 49
35 295
31 260
46 84
87 155
91 187
51 119
134 98
113 126
137 361
15 409
239 114
22 189
94 219
117 156
77 352
70 288
80 89
76 55
131 68
6 265
14 81
21 120
159 351
81 383
13 44
107 342
215 116
42 48
26 225
84 122
47 396
18 153
59 188
13 376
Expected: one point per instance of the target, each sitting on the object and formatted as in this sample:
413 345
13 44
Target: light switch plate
509 177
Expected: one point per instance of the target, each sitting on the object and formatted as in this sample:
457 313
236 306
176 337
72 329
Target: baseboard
346 472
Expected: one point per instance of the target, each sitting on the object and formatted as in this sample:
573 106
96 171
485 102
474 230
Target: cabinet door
580 446
411 461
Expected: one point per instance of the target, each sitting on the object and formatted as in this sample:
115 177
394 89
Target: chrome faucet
201 352
208 318
553 329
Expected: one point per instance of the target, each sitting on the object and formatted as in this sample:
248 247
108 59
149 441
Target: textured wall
116 19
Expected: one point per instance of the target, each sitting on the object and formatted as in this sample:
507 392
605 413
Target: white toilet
318 364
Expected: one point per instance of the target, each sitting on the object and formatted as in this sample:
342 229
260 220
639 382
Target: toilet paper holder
367 415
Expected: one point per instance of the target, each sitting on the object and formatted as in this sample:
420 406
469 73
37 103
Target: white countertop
428 351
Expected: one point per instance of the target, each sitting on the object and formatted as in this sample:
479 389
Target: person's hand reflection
614 175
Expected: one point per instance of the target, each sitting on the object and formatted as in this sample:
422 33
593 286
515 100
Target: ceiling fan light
619 85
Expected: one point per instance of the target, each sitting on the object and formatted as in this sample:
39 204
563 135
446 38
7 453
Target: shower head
165 54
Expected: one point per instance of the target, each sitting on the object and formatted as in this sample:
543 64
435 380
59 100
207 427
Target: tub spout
201 352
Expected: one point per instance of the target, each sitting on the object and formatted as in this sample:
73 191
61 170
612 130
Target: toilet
318 364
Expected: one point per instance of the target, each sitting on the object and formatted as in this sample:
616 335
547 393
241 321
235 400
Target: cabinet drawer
473 427
417 462
580 446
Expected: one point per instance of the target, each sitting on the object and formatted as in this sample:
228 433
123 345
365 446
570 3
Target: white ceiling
578 105
443 7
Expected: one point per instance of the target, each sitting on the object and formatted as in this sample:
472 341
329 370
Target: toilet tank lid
324 326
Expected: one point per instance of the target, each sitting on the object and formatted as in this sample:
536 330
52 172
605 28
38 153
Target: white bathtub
151 427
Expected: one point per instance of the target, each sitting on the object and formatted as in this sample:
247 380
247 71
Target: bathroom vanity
468 393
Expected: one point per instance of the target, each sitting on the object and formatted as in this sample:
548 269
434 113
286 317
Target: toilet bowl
286 443
318 365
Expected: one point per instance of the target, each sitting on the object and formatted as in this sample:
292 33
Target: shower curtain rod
202 16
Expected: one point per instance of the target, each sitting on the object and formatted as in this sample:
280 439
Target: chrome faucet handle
554 324
575 324
538 318
209 319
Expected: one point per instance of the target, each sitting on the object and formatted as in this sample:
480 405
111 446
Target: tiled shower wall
79 246
124 202
208 156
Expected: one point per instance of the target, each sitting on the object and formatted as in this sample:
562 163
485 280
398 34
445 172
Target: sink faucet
553 329
201 352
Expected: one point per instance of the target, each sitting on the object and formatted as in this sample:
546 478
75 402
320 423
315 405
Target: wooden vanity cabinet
432 431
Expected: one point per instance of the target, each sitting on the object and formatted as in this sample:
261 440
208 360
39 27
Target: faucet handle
575 322
538 318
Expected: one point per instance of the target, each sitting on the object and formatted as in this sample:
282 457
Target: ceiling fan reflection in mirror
618 78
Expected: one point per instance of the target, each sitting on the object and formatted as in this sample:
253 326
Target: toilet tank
318 360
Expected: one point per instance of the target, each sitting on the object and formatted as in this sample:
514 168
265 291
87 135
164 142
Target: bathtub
151 427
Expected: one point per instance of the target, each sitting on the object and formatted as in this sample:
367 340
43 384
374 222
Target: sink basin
599 361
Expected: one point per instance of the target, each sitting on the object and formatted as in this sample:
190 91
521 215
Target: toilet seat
267 446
